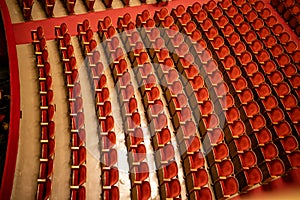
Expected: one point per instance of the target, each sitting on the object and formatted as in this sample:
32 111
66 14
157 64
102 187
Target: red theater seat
139 153
251 109
104 110
193 162
225 168
247 159
206 108
203 193
197 180
282 89
191 145
78 139
135 138
111 194
128 92
243 143
294 159
102 96
222 21
168 172
269 151
110 158
133 121
206 24
237 128
216 136
276 167
141 173
172 189
232 114
289 143
228 187
165 154
110 177
238 19
263 136
294 80
161 14
231 11
107 124
294 115
109 140
257 78
269 102
226 101
233 37
162 138
253 176
155 108
142 192
160 122
220 152
44 190
79 156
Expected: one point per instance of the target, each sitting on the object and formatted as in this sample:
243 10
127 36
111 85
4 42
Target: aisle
27 165
62 159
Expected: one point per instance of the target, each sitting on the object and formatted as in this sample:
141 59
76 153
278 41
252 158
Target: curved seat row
290 12
217 151
76 116
134 136
252 107
169 185
107 136
47 109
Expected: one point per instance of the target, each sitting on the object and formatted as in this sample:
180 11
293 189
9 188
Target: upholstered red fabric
283 128
206 108
240 84
164 136
204 193
222 21
145 191
230 186
246 95
282 89
200 178
173 188
276 115
258 121
248 159
171 170
220 151
270 102
270 151
232 114
295 159
276 167
167 152
289 143
225 168
243 143
251 109
142 171
253 176
108 140
263 136
211 121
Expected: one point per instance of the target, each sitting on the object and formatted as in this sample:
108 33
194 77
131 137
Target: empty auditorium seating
72 84
47 111
222 75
